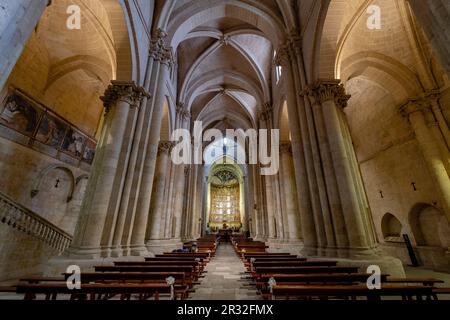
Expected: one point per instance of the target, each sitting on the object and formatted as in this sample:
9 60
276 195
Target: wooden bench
249 255
351 292
204 255
201 261
37 279
98 291
440 290
248 262
258 271
8 289
294 263
195 264
187 270
318 278
424 281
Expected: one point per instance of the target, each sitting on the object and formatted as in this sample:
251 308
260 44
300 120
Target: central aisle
225 279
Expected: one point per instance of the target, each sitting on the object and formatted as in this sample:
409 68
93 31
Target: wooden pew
181 284
38 279
195 264
423 281
201 261
250 248
204 255
300 263
258 271
248 262
87 277
294 263
268 254
351 292
97 291
187 270
276 258
313 278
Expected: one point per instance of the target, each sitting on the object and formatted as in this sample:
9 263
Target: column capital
325 90
283 57
414 105
295 41
182 111
165 146
266 112
158 49
126 91
289 49
432 95
285 147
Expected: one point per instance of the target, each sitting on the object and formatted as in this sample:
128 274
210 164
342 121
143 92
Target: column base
57 265
388 265
361 258
138 250
159 246
117 252
292 246
260 238
86 253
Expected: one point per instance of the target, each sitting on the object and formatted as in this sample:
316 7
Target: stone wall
54 181
22 170
21 254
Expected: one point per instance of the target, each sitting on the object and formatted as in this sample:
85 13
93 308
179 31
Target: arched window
391 228
429 226
278 70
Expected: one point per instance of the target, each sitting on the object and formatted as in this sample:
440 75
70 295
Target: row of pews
170 275
286 276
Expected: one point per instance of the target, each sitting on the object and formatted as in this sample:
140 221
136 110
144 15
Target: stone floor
225 278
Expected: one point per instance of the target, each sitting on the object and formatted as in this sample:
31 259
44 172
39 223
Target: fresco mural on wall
20 114
73 143
51 131
38 123
89 151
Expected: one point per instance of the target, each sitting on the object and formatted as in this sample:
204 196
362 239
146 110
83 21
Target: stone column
433 100
180 179
257 207
418 112
334 222
118 99
292 216
163 55
300 153
197 202
273 230
156 208
181 172
434 17
18 21
331 95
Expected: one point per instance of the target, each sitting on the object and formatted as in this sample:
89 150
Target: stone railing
24 220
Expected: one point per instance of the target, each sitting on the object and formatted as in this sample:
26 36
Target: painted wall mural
30 123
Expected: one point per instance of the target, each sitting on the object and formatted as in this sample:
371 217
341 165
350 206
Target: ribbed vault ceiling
224 72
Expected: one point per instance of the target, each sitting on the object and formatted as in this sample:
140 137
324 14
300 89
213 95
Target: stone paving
225 278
